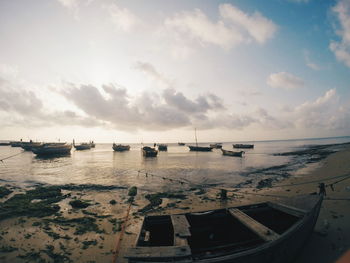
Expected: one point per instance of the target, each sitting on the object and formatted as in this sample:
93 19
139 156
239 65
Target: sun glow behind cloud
114 70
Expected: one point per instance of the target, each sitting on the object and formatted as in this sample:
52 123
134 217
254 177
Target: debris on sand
132 191
4 191
156 200
79 203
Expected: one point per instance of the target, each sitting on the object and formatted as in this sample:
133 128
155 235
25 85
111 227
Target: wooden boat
149 151
244 146
232 153
16 143
5 143
216 145
120 147
270 232
27 146
49 149
162 147
82 146
198 148
181 143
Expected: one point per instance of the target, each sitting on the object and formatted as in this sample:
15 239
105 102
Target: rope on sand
121 235
8 157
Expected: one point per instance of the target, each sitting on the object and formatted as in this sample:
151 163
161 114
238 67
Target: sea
174 169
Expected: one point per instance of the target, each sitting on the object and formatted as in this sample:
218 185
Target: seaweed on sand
79 203
4 191
96 187
156 200
132 191
82 224
38 202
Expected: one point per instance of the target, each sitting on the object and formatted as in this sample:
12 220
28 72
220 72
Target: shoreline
66 238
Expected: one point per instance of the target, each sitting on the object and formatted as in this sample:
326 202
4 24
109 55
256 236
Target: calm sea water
104 166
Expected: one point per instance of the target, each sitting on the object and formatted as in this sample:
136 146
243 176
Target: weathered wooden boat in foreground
49 149
120 147
232 153
149 151
270 232
243 146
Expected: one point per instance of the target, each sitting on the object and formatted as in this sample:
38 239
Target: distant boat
162 147
232 153
82 146
149 151
4 144
48 149
216 145
120 147
92 144
27 146
16 143
243 146
269 232
181 143
198 148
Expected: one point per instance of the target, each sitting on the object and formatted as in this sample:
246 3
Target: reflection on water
102 165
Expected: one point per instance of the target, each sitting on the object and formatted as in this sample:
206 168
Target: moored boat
232 153
16 143
82 146
120 147
149 151
243 146
27 146
162 147
216 145
199 148
49 149
270 232
181 143
5 143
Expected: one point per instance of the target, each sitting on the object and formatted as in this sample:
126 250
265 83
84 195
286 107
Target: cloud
284 80
310 63
150 71
341 48
233 27
123 18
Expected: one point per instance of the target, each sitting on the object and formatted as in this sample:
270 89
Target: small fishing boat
82 146
181 143
232 153
149 151
49 149
27 146
198 148
162 147
216 145
269 232
120 147
16 143
5 143
243 146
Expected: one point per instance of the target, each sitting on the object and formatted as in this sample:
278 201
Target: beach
87 224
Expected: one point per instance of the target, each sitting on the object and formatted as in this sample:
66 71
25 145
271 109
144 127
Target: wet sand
57 238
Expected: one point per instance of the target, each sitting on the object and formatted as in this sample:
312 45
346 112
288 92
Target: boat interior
219 232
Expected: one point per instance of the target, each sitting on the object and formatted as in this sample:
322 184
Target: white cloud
309 62
123 18
284 80
233 27
341 48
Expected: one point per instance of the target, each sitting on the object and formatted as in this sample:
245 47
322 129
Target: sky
153 71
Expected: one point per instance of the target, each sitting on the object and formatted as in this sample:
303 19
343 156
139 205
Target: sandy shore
57 238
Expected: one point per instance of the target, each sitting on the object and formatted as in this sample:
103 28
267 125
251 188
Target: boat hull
82 147
200 149
121 148
284 247
52 150
231 153
243 146
149 152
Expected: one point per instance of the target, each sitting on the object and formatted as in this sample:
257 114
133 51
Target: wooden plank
262 231
166 252
288 209
180 225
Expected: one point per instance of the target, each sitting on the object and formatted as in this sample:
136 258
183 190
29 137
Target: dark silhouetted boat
181 143
120 147
149 151
216 145
16 143
232 153
27 146
5 144
243 146
198 148
50 149
162 147
270 232
82 146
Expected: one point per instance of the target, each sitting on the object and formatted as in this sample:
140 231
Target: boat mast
195 135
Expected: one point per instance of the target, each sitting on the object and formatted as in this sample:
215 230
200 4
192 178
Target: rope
8 157
121 235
